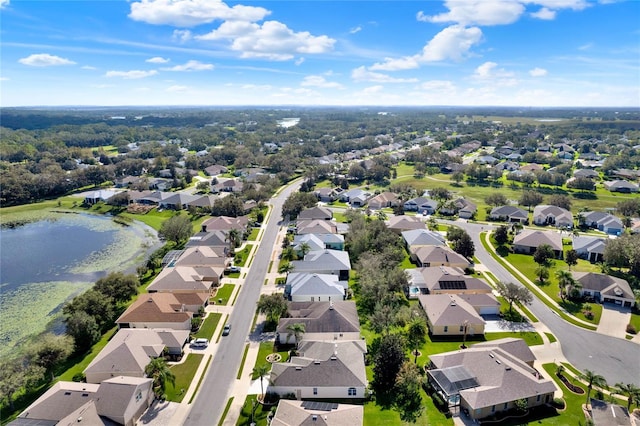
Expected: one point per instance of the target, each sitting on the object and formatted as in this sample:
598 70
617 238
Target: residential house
303 413
163 310
608 414
129 181
119 400
422 237
204 201
452 280
421 205
425 256
586 173
509 166
160 184
318 242
130 350
215 170
186 279
227 185
335 320
304 287
225 224
398 224
605 288
322 370
545 214
316 213
201 256
333 262
627 174
216 240
355 197
487 379
589 248
151 199
383 200
529 240
486 159
316 226
465 209
326 195
178 201
605 222
102 195
450 315
509 214
532 167
621 186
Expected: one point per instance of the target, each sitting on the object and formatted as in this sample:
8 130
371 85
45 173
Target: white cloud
44 60
272 40
157 60
396 64
319 81
4 78
4 3
489 72
88 67
177 88
189 13
103 86
361 74
299 61
441 86
181 36
131 75
451 43
545 14
559 4
585 46
372 90
477 12
191 66
538 72
355 30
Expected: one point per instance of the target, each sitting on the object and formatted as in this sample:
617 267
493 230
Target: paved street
618 360
214 392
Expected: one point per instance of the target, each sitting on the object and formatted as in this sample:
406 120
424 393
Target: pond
53 257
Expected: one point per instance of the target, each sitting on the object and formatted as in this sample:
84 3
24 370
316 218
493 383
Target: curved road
213 394
618 360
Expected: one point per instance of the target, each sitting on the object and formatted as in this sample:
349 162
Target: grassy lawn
530 337
184 373
254 234
339 217
572 415
241 256
84 362
223 293
259 415
153 218
209 326
406 263
525 264
551 337
267 348
376 415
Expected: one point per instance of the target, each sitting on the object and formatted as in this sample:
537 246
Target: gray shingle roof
322 317
323 260
293 413
448 309
315 284
605 284
534 238
423 237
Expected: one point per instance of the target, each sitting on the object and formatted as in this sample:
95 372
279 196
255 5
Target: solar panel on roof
452 285
319 406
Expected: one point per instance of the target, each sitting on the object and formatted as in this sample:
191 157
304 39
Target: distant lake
288 122
46 262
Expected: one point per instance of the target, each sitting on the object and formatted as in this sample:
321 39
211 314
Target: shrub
79 377
558 403
631 329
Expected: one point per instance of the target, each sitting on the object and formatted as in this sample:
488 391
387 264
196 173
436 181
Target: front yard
223 294
209 326
184 373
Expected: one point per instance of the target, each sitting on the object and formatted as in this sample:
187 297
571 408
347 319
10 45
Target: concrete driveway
614 320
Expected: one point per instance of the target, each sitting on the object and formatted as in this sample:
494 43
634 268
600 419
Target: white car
200 343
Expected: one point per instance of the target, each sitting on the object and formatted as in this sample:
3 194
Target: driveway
614 320
495 326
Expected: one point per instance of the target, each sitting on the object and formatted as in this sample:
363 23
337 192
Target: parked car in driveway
200 343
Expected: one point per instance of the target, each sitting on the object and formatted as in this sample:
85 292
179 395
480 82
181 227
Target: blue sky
208 52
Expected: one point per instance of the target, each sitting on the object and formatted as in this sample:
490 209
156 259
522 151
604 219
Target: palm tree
297 329
542 272
288 254
565 279
261 371
304 249
592 380
285 268
159 371
629 390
